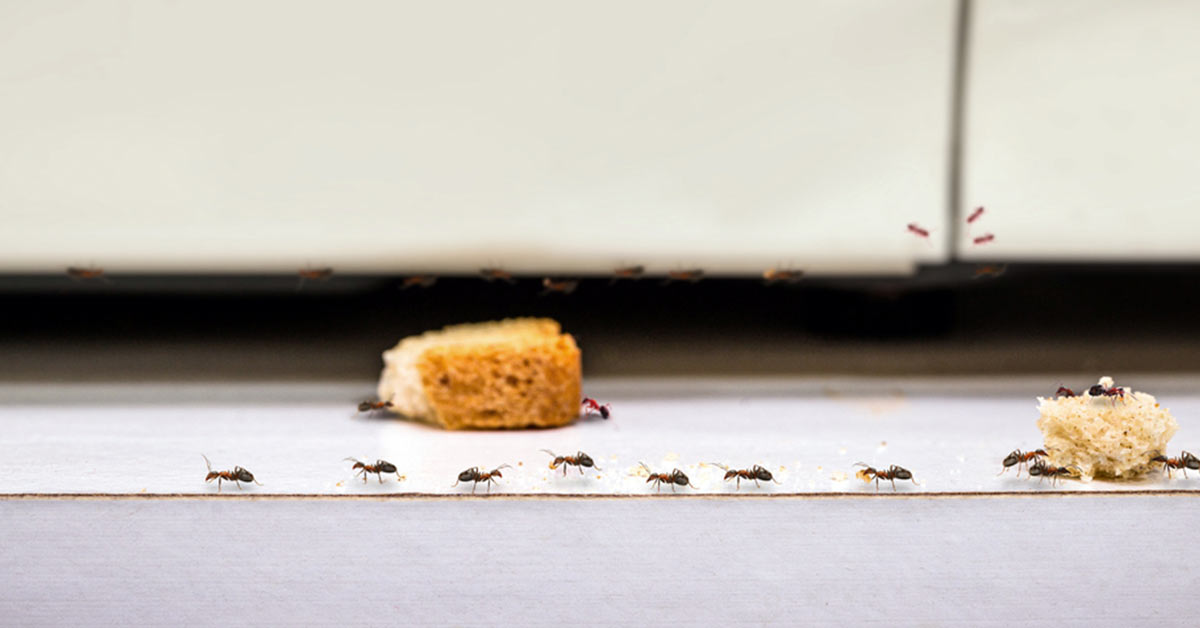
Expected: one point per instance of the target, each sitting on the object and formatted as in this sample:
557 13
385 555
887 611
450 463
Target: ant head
243 475
1096 390
385 466
364 406
679 478
866 467
761 473
585 460
469 474
496 471
900 473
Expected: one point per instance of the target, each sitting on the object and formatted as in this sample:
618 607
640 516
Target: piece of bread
1105 436
514 373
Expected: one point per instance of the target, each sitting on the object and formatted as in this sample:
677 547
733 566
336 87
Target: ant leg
756 483
218 485
893 484
378 476
474 486
580 469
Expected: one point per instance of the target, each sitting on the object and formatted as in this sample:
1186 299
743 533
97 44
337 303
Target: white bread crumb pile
514 373
1105 436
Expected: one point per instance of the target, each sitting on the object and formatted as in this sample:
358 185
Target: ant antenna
503 466
645 467
351 459
862 464
206 462
550 452
717 464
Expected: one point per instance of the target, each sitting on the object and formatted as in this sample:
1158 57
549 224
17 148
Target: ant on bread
892 473
756 473
493 274
83 274
372 406
237 476
561 286
1063 391
1043 470
774 275
475 475
674 477
423 281
1020 459
379 468
590 405
1184 462
580 460
627 272
690 276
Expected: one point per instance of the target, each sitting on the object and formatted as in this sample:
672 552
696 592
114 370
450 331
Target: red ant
83 274
989 270
580 460
690 276
984 239
369 406
756 473
674 477
493 274
563 286
1185 461
772 275
590 405
975 215
379 468
892 473
1020 459
423 281
627 272
237 476
1100 391
924 233
475 475
1043 470
1063 391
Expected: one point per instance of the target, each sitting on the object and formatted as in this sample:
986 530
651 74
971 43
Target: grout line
958 92
582 496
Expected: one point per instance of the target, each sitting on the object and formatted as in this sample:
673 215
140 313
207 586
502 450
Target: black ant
423 281
674 477
590 405
1020 459
1100 391
475 475
83 274
492 274
580 460
892 473
371 406
690 276
756 473
772 275
379 468
627 272
1185 461
1043 470
237 476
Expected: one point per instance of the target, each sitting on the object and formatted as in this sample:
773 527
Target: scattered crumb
841 451
402 478
599 477
820 468
671 457
883 443
782 468
340 484
839 476
520 463
612 457
142 491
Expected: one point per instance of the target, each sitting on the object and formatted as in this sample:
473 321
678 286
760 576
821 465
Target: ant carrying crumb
774 275
918 231
379 468
237 476
561 286
475 475
674 477
371 406
580 460
690 276
493 274
1042 470
627 272
590 405
1020 459
1184 462
756 473
422 281
984 239
975 215
84 274
892 473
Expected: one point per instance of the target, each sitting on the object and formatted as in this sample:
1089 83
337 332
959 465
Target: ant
1100 391
975 215
379 468
690 276
1020 459
237 476
989 270
772 275
924 233
580 460
984 239
590 405
563 286
423 281
1043 470
674 477
313 274
1063 391
83 274
493 274
1185 461
475 475
756 473
369 406
892 473
627 272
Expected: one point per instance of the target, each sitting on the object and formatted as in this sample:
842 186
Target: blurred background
192 160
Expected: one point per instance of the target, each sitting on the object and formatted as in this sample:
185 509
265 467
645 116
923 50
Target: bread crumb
1103 436
520 463
402 478
841 451
340 484
883 443
838 476
671 457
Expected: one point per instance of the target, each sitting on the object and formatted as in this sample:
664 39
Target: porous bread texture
1105 437
514 373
